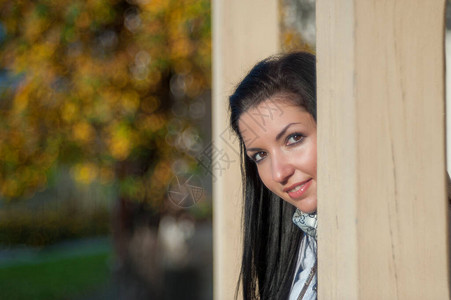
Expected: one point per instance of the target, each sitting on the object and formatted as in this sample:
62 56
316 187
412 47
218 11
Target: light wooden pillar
381 150
244 32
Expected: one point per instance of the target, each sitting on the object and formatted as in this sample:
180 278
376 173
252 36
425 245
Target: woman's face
280 137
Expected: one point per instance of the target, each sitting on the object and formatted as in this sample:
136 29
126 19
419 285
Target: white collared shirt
305 263
306 257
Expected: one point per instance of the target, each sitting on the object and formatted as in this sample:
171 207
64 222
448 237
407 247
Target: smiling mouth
296 188
299 189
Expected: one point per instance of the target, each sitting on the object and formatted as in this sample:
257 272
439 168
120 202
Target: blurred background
105 146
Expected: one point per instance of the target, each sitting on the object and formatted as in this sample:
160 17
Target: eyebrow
278 136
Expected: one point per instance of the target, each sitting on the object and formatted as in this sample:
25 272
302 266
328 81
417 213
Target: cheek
313 164
310 160
305 162
266 177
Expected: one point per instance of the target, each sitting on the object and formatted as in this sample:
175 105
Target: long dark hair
271 240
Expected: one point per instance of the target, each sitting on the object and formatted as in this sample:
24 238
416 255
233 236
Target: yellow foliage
151 123
150 104
130 102
10 188
85 173
90 87
83 21
120 141
70 111
83 132
120 147
21 99
11 155
156 6
34 25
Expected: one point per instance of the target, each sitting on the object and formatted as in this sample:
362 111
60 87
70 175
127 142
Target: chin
307 211
306 206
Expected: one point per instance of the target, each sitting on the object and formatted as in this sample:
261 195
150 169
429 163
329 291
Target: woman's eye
294 138
258 156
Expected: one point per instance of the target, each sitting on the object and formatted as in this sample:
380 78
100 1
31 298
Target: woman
273 112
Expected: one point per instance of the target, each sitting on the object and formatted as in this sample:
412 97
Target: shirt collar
307 222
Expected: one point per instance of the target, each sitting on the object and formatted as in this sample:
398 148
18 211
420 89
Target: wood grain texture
244 32
381 156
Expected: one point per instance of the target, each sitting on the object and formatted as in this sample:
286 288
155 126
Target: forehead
276 108
270 116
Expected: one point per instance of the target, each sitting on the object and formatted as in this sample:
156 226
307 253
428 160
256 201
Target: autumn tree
95 85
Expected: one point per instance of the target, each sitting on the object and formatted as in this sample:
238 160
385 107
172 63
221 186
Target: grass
62 278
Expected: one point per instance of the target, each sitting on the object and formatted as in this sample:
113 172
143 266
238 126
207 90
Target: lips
296 190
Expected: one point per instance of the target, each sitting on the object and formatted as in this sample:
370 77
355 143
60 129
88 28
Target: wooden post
381 150
244 32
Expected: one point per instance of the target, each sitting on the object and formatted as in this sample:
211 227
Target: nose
282 169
